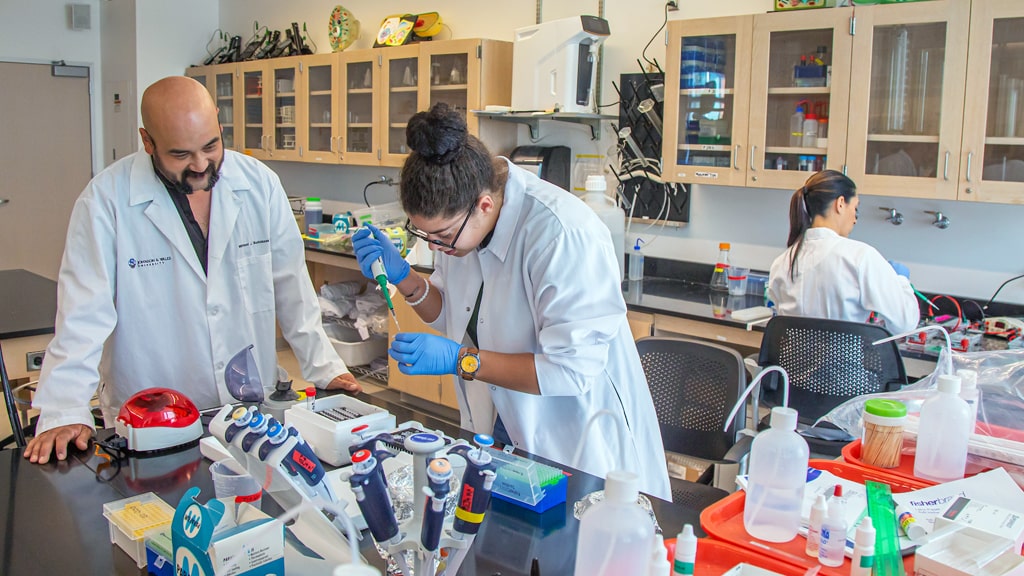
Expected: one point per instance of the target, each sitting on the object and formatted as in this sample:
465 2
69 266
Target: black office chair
694 385
828 362
18 434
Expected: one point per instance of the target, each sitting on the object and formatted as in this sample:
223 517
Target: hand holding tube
370 244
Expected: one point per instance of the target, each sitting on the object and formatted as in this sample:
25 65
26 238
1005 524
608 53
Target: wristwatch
469 363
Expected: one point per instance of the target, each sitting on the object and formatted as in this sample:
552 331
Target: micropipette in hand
381 276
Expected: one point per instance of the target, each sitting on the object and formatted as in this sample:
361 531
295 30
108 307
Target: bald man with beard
177 258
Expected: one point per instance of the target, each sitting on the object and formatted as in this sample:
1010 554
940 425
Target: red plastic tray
723 520
714 557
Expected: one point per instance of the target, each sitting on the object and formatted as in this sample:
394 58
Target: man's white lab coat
135 309
842 279
552 288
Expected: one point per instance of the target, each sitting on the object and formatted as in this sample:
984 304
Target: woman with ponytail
526 293
824 274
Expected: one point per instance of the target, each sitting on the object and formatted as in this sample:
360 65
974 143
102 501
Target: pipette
381 276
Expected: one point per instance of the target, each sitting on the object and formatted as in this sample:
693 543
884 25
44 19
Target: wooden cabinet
906 112
744 340
641 324
352 107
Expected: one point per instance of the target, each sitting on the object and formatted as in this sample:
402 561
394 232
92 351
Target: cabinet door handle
945 167
341 147
4 201
752 166
735 157
970 156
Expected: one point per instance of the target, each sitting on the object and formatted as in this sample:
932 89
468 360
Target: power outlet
672 5
34 360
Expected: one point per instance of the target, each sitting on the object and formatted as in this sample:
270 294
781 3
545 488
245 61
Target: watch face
470 363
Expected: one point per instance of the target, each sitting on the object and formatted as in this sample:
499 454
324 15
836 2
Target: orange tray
723 520
715 557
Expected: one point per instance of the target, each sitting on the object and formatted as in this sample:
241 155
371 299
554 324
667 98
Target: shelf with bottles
906 138
800 59
795 162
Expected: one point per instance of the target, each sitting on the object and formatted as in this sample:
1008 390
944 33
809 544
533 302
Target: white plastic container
969 392
832 550
132 519
796 127
863 549
636 262
330 437
943 432
659 558
818 511
775 484
362 352
685 561
615 534
314 212
609 213
809 138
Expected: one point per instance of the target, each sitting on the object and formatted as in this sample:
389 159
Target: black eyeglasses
424 236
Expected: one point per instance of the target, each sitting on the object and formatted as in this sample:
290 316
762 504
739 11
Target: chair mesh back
828 362
694 386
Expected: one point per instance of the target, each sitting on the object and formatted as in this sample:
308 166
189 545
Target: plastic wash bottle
943 433
616 534
609 213
775 484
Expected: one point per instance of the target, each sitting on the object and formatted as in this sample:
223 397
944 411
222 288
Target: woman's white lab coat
551 288
842 279
135 309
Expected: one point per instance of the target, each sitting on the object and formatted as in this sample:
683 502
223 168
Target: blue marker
372 498
477 480
439 475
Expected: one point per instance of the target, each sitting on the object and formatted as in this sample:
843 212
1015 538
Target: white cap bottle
863 549
943 432
814 526
776 480
969 392
659 558
685 561
615 534
833 532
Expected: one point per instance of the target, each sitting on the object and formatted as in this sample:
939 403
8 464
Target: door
993 144
906 110
707 95
253 135
40 112
359 108
283 106
318 92
792 56
403 97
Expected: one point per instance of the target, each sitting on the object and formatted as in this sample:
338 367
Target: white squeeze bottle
659 558
942 433
969 392
814 526
685 560
615 534
609 213
833 531
863 549
775 483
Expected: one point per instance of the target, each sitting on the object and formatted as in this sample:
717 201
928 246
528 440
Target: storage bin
361 352
132 519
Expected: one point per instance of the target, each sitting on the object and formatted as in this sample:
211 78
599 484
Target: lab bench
53 522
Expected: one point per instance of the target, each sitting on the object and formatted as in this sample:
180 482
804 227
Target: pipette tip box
527 483
130 520
327 423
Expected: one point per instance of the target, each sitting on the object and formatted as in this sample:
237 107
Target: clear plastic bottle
660 565
832 550
615 534
314 212
809 138
969 392
609 213
863 549
942 433
720 277
685 560
636 262
818 511
796 127
776 479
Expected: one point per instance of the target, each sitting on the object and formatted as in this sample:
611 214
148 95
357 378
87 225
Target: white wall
120 90
971 258
38 31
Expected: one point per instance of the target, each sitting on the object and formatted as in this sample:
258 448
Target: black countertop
28 304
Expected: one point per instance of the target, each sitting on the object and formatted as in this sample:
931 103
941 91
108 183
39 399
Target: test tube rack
328 424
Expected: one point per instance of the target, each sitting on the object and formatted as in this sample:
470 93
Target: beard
180 182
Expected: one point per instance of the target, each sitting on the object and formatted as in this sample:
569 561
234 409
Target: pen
535 568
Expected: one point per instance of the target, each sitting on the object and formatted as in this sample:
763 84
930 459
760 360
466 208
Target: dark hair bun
437 135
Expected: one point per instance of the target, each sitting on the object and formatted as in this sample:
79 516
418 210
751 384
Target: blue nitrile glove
369 247
900 269
418 353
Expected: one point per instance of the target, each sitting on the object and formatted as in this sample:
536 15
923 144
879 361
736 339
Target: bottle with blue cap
636 262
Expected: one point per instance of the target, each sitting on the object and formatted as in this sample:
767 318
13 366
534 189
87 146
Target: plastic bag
999 435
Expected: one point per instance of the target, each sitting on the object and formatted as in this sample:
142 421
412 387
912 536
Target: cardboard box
983 516
967 551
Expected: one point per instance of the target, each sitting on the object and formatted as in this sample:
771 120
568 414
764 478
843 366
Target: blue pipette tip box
526 483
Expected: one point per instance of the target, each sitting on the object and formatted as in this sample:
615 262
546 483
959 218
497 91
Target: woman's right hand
369 244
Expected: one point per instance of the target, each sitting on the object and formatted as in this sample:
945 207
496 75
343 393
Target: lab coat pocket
256 276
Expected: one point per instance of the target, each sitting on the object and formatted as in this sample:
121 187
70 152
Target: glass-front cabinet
800 85
317 118
906 115
400 77
224 89
359 78
706 102
254 131
993 142
283 108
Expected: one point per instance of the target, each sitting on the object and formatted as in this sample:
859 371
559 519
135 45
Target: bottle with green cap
314 212
882 442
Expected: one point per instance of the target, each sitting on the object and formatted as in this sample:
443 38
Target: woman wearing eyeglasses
825 274
527 291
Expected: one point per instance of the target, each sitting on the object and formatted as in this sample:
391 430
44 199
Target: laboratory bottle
776 478
610 214
814 526
942 433
796 127
832 550
314 212
636 262
863 549
969 392
720 277
685 560
809 130
615 534
659 565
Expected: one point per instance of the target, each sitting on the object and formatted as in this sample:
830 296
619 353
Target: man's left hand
346 382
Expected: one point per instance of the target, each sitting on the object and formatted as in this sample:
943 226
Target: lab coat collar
508 218
819 233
